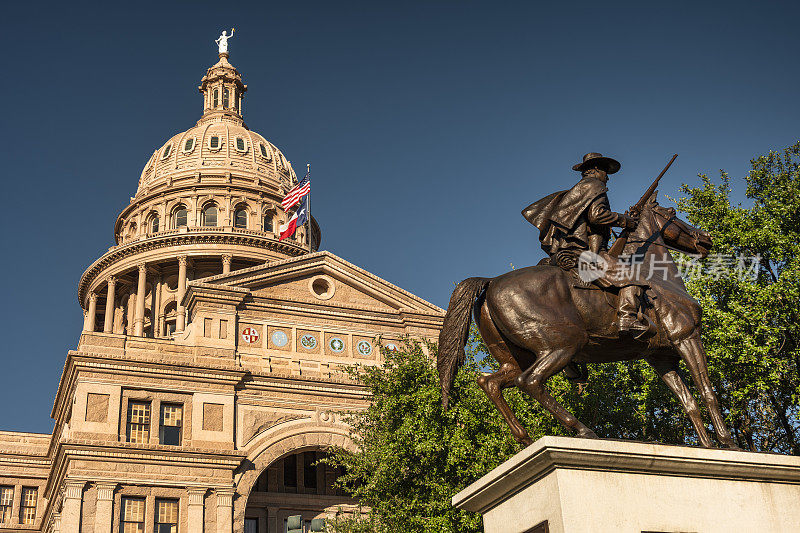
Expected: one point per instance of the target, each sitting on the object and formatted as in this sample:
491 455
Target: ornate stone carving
256 422
73 490
105 491
196 496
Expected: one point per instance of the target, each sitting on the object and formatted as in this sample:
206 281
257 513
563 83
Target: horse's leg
494 383
667 368
533 380
693 354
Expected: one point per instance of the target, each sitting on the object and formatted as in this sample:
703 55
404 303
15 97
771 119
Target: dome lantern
223 92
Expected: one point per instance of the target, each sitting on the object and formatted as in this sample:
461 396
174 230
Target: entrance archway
281 479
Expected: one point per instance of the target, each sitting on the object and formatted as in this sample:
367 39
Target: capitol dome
220 147
220 142
208 201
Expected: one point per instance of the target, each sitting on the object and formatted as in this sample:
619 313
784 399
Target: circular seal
279 338
392 347
364 348
250 335
308 341
336 344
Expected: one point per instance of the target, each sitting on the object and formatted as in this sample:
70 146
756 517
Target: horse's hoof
587 434
524 441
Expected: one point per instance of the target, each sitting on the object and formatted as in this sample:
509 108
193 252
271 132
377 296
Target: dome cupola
223 92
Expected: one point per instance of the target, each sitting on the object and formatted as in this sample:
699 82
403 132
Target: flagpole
308 206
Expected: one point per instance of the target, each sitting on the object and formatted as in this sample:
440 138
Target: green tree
413 457
749 289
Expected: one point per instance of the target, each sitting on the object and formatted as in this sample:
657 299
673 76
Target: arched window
179 217
210 215
240 218
226 96
268 222
154 224
170 318
216 97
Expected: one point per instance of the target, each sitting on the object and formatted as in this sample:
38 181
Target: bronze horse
536 320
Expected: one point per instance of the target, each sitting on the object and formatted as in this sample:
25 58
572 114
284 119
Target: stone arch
265 450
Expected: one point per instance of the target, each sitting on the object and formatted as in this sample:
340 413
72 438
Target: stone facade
208 380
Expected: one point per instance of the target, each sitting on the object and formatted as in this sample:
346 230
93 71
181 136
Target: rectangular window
171 422
250 525
166 516
27 508
6 504
138 422
290 471
132 515
309 470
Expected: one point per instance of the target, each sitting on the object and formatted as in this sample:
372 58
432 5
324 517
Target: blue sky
430 125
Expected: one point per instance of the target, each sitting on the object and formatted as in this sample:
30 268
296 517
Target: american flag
297 193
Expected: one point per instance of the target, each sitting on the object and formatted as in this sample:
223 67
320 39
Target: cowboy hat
594 159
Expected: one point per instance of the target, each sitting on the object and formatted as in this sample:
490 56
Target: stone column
138 329
56 523
108 325
226 263
104 512
224 510
195 508
92 311
180 323
155 316
71 508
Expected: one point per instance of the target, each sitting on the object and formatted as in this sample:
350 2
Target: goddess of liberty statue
222 42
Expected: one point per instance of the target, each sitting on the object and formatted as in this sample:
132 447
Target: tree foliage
413 457
751 321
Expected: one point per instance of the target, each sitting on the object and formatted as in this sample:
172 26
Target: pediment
325 279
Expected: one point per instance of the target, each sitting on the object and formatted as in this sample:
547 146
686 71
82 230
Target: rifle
636 210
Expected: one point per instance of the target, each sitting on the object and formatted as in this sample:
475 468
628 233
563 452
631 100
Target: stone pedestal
568 485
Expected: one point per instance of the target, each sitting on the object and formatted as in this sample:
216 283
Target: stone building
207 380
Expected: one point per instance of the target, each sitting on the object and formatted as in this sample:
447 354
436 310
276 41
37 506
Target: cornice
235 236
149 454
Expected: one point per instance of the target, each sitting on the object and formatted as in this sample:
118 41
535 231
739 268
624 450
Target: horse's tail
455 332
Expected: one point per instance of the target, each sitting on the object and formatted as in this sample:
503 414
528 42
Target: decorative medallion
364 348
308 341
392 346
336 344
250 335
279 339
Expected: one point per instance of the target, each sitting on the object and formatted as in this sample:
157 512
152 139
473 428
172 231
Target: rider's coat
576 220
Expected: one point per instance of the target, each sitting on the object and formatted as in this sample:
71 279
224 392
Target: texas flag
298 219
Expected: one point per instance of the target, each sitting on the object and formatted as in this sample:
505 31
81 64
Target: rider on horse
580 219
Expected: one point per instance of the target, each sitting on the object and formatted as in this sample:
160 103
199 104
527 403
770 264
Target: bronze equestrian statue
540 320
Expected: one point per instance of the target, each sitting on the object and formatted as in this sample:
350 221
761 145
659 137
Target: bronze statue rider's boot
632 322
